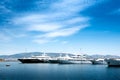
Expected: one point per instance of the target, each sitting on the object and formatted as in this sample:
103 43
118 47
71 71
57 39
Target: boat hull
29 60
54 61
113 65
98 62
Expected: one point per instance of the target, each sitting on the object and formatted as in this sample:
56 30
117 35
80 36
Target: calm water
19 71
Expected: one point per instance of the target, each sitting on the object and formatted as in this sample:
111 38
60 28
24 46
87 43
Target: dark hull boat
29 60
36 59
113 62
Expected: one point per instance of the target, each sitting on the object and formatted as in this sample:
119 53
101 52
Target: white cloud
77 20
71 5
44 40
41 41
44 27
62 19
62 32
25 19
48 37
7 35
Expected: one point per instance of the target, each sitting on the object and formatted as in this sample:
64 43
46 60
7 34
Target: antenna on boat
81 52
60 55
44 53
32 55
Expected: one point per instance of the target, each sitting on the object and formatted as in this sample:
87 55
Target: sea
47 71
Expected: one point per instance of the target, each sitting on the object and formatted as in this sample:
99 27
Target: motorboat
98 61
36 59
113 62
76 59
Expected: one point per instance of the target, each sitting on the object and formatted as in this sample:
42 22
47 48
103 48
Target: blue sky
75 26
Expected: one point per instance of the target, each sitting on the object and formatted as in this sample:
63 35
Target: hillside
22 55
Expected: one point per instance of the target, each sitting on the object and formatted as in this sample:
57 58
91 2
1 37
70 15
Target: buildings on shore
1 60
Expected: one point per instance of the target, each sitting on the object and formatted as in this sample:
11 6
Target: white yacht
98 61
80 59
55 59
112 62
65 59
77 59
44 58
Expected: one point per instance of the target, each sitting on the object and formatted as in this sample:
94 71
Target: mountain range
22 55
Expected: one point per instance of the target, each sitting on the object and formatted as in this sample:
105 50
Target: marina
59 39
62 67
66 59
